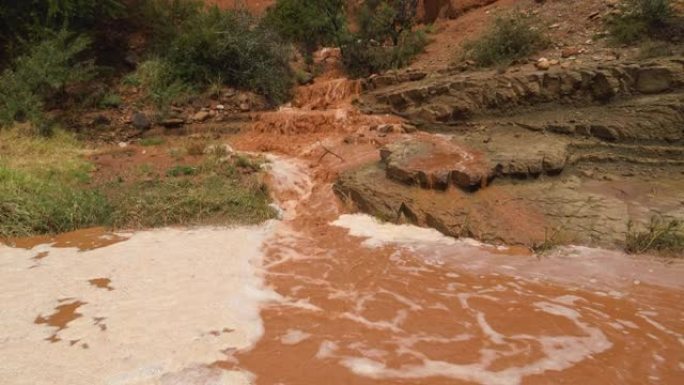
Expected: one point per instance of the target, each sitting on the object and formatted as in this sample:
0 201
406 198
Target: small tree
45 71
382 19
28 20
639 19
309 24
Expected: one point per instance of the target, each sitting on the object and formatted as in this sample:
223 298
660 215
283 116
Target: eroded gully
325 296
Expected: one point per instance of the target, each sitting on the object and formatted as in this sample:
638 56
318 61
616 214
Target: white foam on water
179 298
293 337
326 350
560 352
289 176
378 234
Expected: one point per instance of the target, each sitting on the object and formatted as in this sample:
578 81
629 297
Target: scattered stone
101 120
201 116
244 107
569 51
140 121
123 144
220 107
172 123
543 64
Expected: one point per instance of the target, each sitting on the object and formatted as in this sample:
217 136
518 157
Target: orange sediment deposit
87 239
101 283
62 316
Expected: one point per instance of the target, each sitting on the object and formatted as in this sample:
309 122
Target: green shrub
153 141
309 24
639 19
110 100
230 46
362 58
660 235
37 77
385 39
511 37
167 15
181 170
29 20
158 79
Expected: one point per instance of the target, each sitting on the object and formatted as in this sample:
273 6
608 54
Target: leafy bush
110 100
386 38
198 46
46 71
309 24
362 58
162 86
511 37
30 20
168 15
639 19
660 234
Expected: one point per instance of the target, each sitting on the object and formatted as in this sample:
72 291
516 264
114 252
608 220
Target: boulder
201 116
141 121
652 80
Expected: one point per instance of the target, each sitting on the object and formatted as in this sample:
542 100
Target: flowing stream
323 296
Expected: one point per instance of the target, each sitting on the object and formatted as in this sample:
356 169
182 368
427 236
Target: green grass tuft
660 235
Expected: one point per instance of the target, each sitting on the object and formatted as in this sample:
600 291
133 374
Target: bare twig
328 151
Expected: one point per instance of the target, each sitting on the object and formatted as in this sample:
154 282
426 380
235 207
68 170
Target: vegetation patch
641 19
41 77
44 186
511 37
48 186
660 235
213 193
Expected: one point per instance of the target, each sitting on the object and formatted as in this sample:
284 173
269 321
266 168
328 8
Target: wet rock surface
452 98
566 156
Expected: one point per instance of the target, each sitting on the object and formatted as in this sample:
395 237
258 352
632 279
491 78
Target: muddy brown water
324 296
353 301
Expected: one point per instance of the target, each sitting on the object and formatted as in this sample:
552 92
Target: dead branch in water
328 151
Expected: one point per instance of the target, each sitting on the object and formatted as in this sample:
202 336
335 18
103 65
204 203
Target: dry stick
328 151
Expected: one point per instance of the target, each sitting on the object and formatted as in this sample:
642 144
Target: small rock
140 121
201 116
172 123
123 144
220 107
543 64
101 120
569 51
408 128
244 107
